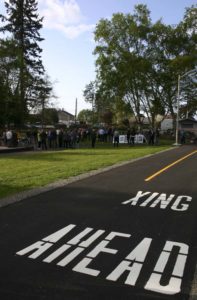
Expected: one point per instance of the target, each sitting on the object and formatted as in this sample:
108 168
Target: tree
93 95
23 24
86 116
122 111
120 56
50 116
139 61
188 98
107 117
174 52
189 83
8 78
43 94
90 93
3 101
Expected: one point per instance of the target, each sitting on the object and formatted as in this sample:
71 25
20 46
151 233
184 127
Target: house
189 125
166 124
65 118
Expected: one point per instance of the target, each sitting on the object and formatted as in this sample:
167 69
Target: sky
68 30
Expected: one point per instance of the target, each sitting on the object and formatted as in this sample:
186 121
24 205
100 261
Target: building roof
65 112
190 120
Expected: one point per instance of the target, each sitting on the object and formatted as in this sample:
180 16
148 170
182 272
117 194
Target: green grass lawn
23 171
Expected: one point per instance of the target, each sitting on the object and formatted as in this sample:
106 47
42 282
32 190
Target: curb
14 150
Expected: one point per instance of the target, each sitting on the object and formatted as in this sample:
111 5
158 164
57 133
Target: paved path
110 236
4 149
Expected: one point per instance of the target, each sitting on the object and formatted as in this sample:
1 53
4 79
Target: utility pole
177 115
76 111
190 74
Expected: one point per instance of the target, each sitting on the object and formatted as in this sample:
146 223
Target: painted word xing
148 199
131 266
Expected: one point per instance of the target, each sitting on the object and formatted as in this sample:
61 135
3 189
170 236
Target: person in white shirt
9 136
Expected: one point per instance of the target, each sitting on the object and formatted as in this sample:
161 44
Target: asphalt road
109 236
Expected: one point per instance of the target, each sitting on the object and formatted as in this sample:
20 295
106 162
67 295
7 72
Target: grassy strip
20 172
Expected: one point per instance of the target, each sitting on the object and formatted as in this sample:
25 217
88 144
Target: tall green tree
9 82
188 86
44 91
92 94
121 62
173 53
139 61
23 24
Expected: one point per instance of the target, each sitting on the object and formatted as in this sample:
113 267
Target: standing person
93 138
9 136
182 137
39 139
73 136
133 133
57 136
4 139
101 133
110 134
116 138
78 137
60 138
53 139
35 134
49 136
67 139
43 136
151 136
157 137
128 136
14 139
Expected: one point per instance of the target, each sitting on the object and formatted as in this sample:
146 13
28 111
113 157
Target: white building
65 118
167 124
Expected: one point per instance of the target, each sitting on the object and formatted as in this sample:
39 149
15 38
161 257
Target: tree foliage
85 116
139 61
24 70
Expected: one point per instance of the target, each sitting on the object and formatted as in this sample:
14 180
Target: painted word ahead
148 199
78 248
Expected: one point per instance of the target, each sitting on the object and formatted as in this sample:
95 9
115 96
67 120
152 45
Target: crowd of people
54 138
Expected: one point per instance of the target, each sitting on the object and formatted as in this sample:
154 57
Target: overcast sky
69 40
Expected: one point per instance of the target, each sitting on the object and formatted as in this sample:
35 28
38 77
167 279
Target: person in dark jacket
116 138
43 136
93 137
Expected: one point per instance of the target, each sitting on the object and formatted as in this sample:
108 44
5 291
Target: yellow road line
169 166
